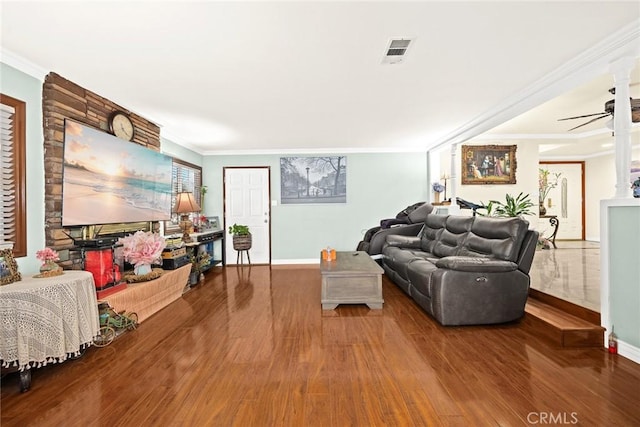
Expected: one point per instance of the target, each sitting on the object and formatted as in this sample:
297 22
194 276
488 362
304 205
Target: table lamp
185 204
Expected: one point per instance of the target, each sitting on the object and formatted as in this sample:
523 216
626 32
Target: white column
453 179
621 70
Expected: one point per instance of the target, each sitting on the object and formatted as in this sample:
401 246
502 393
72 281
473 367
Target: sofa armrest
476 264
378 239
399 241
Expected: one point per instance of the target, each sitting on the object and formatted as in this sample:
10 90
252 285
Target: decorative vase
142 269
436 197
543 210
242 242
50 268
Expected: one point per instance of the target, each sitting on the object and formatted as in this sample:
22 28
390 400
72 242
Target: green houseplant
241 237
513 206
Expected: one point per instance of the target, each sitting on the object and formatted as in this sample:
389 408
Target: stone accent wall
64 99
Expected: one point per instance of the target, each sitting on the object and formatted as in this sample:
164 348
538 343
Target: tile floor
570 272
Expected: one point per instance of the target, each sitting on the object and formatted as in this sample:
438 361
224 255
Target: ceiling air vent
396 50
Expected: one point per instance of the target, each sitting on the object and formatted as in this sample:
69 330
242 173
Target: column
621 70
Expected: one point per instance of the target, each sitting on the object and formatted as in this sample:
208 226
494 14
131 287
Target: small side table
555 223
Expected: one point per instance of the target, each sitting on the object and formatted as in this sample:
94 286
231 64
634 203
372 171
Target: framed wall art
213 222
488 164
8 267
313 179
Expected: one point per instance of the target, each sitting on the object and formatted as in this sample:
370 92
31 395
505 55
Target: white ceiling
245 77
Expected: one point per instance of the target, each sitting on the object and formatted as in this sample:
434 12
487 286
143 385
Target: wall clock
121 125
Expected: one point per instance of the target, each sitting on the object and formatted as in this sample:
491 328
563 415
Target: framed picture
313 180
488 164
8 267
214 222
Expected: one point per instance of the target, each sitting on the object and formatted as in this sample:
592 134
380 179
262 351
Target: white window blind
184 177
12 205
8 185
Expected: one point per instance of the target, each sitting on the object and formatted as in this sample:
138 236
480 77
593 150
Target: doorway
246 201
566 199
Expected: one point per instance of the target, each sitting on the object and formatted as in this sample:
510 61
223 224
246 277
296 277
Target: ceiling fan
608 111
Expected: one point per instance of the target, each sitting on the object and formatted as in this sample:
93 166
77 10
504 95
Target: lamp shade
185 203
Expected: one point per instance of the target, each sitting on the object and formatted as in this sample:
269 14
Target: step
560 327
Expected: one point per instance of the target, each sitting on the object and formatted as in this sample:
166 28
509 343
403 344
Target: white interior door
565 200
246 202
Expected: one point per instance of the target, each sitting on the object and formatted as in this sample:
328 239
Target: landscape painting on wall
489 164
313 179
108 180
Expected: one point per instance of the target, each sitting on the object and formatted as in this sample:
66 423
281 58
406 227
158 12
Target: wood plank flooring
251 347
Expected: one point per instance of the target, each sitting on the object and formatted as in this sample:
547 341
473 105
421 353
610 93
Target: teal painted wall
172 149
624 272
378 186
29 89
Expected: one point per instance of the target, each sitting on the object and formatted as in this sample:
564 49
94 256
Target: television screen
108 180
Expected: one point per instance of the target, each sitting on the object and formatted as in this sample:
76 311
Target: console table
46 320
147 298
555 223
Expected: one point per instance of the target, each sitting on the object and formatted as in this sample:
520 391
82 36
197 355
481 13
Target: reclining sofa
464 270
408 222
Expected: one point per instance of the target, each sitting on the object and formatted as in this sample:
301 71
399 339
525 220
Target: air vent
396 50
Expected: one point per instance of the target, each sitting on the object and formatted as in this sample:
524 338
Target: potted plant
546 182
241 237
513 206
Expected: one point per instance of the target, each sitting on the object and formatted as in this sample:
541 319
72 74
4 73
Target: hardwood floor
251 347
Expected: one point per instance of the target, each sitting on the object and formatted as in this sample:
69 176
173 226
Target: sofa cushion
453 235
499 238
420 274
399 259
433 227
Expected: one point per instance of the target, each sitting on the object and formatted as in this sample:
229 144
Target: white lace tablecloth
47 320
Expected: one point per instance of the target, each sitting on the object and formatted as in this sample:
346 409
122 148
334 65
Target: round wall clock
121 125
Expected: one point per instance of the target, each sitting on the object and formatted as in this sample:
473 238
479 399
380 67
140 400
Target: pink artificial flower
47 254
142 247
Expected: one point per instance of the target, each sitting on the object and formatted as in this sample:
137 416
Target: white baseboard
295 261
629 351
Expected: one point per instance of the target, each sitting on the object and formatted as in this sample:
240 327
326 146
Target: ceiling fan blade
582 117
590 121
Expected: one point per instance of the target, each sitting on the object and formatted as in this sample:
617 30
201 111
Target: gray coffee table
353 278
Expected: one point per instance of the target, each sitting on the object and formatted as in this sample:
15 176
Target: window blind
12 184
8 185
184 177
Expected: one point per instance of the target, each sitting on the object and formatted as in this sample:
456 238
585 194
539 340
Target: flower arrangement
47 255
437 187
142 247
546 181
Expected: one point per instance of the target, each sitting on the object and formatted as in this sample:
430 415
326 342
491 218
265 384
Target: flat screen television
107 180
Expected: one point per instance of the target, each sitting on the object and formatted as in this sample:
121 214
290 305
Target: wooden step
562 328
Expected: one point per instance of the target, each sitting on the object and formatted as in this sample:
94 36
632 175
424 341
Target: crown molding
22 64
586 66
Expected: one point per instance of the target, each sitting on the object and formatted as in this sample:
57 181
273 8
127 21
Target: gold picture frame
8 267
488 164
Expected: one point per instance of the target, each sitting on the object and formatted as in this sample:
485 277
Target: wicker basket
242 242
